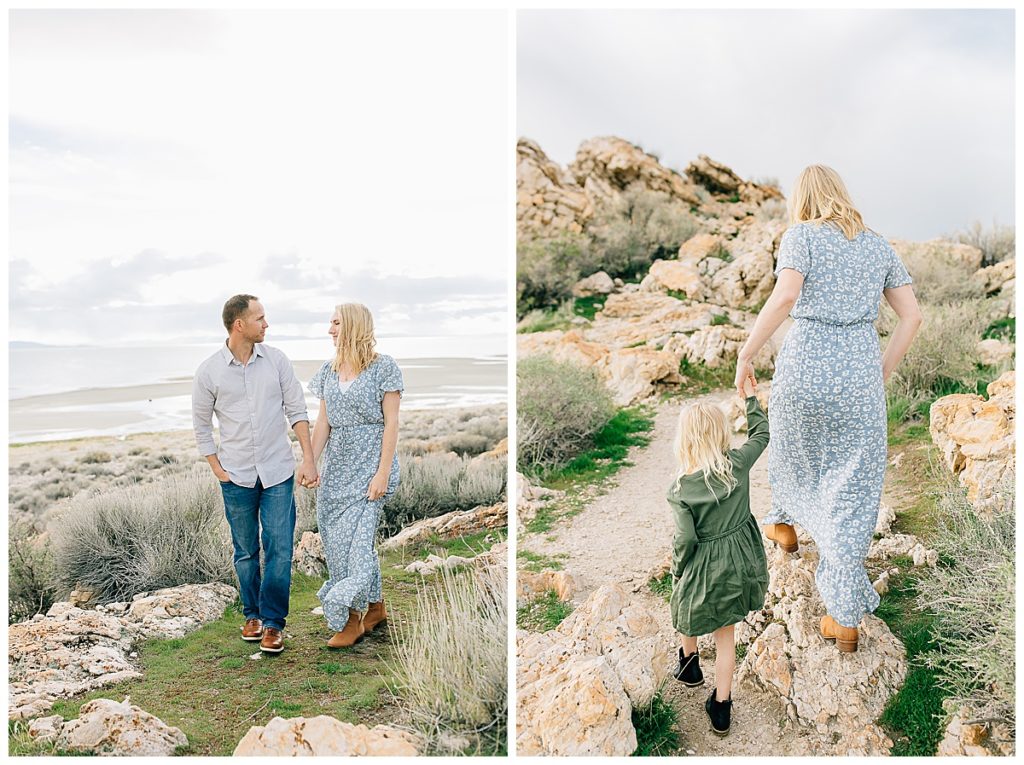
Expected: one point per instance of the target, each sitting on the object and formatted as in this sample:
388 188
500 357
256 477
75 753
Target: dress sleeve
316 385
685 540
897 274
794 251
757 433
389 378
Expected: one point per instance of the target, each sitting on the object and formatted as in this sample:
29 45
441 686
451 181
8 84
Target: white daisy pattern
827 413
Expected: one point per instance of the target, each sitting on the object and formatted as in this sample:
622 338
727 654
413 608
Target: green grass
206 684
531 561
587 307
662 586
542 613
629 427
1004 329
656 732
700 378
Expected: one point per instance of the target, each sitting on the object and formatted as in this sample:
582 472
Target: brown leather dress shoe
252 630
845 637
783 535
352 633
375 615
273 640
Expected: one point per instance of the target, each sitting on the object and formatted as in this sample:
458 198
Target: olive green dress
718 564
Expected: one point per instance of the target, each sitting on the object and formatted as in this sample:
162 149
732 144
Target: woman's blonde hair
702 439
355 337
820 196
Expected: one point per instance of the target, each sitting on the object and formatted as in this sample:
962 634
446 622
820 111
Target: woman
827 411
359 392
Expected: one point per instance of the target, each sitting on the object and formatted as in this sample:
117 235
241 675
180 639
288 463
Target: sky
913 108
162 161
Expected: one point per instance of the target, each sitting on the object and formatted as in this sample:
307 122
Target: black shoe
689 673
718 713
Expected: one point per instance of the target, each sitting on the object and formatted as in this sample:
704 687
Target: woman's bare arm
321 431
390 441
904 303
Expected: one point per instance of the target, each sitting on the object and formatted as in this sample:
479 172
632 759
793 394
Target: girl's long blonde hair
355 337
820 196
702 439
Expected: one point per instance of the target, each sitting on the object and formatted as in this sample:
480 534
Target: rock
993 352
719 179
324 736
607 166
67 652
886 517
562 346
121 729
994 278
82 598
308 557
629 319
458 523
45 728
595 284
568 703
530 498
840 695
433 563
745 282
889 547
972 733
530 584
976 440
719 345
176 611
549 202
499 452
881 584
939 250
695 249
676 276
632 373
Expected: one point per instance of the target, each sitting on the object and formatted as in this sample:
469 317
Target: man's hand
378 486
306 475
222 475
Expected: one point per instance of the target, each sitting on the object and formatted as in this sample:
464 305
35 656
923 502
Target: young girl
719 569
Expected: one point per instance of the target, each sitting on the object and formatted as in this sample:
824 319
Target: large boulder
720 179
576 685
308 557
107 727
939 250
549 202
993 279
719 345
324 736
595 284
976 438
607 166
838 694
175 611
457 523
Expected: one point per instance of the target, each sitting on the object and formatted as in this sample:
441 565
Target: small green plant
531 561
662 585
587 307
720 318
656 731
1004 329
542 613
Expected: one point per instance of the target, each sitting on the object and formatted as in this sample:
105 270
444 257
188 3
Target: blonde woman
357 431
719 571
827 401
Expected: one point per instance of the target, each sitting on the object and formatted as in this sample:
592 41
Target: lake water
61 393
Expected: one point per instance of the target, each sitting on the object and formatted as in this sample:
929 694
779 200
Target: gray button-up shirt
255 405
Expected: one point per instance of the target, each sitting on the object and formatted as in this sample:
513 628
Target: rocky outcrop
451 525
997 278
972 733
107 727
576 685
939 250
719 179
71 650
308 556
530 498
839 694
324 736
608 166
976 439
549 202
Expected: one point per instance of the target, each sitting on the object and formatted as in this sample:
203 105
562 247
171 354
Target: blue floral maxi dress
827 411
347 519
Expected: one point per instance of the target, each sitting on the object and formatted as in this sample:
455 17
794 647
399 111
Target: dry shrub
997 243
31 578
450 659
940 277
546 270
560 406
144 537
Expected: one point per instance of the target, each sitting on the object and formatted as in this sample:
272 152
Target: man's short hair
236 308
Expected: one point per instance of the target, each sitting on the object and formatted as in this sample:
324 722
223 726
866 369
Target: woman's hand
745 377
378 486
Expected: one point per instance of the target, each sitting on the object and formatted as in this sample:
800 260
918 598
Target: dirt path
619 537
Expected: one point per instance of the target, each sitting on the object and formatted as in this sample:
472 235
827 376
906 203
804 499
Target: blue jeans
263 597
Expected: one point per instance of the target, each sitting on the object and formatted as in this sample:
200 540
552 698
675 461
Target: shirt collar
229 357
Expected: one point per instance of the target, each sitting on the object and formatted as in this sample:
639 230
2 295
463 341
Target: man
253 390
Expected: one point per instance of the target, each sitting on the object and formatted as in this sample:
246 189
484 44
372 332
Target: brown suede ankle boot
352 633
375 615
845 637
783 535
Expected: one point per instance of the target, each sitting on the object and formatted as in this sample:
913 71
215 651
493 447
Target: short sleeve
389 377
794 251
316 385
897 275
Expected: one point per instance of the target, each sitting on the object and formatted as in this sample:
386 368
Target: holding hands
306 475
746 383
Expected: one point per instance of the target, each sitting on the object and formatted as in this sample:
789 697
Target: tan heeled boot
375 615
783 535
845 637
352 633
